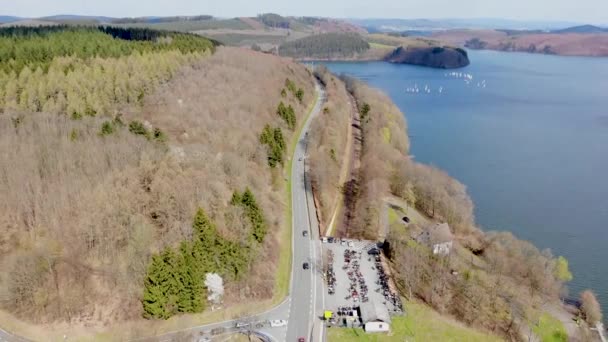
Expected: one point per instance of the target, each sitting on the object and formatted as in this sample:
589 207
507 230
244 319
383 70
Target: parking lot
354 275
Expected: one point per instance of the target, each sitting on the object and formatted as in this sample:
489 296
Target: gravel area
356 276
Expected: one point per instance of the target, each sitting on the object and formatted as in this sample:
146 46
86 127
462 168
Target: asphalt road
304 304
304 291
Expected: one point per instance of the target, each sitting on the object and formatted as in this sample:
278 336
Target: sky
589 11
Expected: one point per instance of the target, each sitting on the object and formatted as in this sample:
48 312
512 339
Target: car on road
350 244
406 219
306 266
278 323
240 325
301 339
300 159
305 233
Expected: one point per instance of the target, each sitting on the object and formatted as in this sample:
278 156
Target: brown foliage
385 146
327 147
590 307
81 213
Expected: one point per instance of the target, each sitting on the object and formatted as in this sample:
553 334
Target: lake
527 134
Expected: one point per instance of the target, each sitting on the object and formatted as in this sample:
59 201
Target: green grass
420 323
284 269
393 215
550 329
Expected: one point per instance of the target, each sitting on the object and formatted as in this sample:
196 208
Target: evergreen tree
174 285
155 289
191 297
255 216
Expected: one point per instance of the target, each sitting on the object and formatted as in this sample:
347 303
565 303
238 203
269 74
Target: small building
375 317
438 237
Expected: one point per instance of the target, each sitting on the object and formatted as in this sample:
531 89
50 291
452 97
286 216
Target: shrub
138 128
107 128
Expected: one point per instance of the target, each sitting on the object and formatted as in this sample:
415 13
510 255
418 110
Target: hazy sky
593 11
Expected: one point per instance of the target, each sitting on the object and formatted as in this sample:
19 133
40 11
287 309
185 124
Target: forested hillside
328 150
491 281
85 71
325 46
123 167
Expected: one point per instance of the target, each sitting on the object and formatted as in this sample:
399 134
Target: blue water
531 147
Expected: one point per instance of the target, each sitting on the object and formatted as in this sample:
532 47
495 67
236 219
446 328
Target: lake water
531 146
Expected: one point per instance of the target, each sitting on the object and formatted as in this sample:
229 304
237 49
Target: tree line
174 282
274 20
88 71
272 137
325 45
38 46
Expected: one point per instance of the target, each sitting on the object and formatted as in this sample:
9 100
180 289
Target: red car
301 339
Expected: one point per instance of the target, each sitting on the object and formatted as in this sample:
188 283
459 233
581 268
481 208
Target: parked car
306 266
217 331
278 323
305 233
406 219
240 325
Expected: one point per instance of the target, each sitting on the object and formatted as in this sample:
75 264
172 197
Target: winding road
304 305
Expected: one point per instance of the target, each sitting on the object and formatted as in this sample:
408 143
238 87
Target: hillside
568 43
125 158
326 46
435 57
491 281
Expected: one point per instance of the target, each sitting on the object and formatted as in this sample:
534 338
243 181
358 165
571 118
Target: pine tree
255 216
174 285
155 289
191 297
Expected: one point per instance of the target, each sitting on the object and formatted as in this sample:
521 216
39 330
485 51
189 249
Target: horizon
584 11
437 19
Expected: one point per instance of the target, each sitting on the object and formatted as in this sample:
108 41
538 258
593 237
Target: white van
278 323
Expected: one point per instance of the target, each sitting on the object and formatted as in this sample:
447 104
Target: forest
325 46
85 71
107 157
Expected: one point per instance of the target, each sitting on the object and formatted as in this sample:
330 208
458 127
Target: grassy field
380 46
550 329
196 25
419 324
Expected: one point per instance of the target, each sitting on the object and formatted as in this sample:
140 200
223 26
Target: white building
375 317
437 236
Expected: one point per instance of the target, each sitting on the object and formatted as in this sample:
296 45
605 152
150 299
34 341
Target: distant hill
76 17
434 57
564 44
399 25
8 19
29 22
582 29
326 46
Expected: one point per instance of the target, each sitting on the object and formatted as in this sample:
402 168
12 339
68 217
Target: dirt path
345 171
351 186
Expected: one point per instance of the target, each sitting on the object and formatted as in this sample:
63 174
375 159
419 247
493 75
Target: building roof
435 233
374 311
